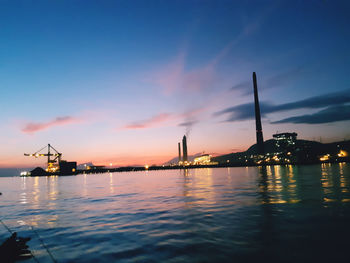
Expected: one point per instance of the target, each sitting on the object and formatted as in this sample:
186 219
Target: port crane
53 157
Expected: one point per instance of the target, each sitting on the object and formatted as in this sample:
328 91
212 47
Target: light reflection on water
200 215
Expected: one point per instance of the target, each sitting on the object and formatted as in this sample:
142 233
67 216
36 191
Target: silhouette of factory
184 159
284 147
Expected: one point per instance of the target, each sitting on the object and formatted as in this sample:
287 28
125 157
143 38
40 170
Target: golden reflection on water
23 194
85 192
198 187
53 189
344 181
282 184
111 186
278 185
39 193
35 193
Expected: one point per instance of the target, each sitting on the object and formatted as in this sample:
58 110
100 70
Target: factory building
285 140
203 159
67 167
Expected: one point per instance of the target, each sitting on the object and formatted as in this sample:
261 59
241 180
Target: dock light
342 153
325 158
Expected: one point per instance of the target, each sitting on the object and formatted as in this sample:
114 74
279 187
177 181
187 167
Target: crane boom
52 163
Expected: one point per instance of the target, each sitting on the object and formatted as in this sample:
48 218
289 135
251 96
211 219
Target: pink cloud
174 77
170 77
33 127
192 113
187 119
151 122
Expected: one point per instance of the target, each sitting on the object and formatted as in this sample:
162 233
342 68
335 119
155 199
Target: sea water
248 214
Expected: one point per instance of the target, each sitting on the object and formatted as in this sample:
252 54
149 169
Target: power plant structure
184 149
184 158
259 133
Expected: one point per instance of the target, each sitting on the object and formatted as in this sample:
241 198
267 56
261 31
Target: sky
120 82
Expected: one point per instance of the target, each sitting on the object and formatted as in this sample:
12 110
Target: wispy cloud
33 127
279 80
328 115
187 119
151 122
174 76
246 111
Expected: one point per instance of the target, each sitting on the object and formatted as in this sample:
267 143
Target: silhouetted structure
259 133
67 167
184 149
179 152
55 165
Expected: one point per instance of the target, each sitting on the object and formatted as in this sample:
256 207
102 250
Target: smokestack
179 152
259 133
184 148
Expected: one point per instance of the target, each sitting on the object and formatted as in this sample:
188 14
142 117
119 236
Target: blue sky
122 81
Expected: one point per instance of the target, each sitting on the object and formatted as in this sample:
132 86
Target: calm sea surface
272 214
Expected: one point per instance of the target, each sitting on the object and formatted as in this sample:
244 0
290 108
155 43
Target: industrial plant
283 148
183 159
55 164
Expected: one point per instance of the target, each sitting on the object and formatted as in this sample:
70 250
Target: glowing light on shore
324 158
342 153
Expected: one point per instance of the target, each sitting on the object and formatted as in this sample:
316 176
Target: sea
287 213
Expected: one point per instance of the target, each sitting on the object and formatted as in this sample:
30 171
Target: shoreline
181 167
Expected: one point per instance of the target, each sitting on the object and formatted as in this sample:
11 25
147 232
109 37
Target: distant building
285 140
67 167
95 167
203 159
179 146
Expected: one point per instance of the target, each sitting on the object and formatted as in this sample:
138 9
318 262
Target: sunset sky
122 81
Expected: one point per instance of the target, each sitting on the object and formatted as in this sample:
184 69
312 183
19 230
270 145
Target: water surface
272 214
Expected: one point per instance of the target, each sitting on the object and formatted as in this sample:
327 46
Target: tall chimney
259 133
179 152
184 148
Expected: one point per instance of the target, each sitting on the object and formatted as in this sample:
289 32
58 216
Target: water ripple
279 214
